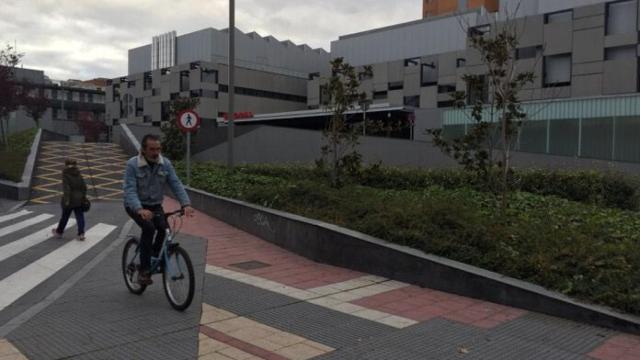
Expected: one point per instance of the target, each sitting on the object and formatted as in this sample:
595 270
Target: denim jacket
143 186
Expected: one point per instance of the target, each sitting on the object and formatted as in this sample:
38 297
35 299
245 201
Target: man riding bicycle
144 180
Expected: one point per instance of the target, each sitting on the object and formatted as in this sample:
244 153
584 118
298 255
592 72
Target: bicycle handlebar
177 212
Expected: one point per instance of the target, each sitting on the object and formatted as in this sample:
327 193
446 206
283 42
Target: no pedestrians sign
188 121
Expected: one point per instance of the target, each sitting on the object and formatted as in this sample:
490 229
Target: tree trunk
505 163
3 132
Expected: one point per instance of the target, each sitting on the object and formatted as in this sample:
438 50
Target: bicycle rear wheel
178 279
131 266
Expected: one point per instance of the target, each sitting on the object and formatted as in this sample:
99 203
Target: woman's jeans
66 212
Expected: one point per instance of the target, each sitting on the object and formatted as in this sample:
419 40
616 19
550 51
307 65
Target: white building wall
521 8
419 38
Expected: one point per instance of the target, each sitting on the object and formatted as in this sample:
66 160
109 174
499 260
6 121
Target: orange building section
444 7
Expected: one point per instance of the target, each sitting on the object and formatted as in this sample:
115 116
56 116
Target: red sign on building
238 115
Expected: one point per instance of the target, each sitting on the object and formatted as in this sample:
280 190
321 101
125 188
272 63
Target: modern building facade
584 101
69 102
577 50
271 76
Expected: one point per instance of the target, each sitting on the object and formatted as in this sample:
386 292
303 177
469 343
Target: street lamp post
231 61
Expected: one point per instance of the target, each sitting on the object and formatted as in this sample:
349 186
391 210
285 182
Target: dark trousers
157 226
66 213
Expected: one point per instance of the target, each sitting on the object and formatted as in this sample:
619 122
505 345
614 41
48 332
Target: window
82 97
116 92
559 17
621 17
443 89
379 95
165 71
267 94
71 95
146 119
620 52
479 30
184 80
527 53
156 92
478 90
324 96
209 94
131 84
139 106
429 74
398 85
194 65
460 62
164 110
148 81
557 70
446 104
412 62
174 96
412 101
89 97
209 76
315 75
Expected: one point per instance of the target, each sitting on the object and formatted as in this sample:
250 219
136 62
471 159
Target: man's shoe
56 234
144 278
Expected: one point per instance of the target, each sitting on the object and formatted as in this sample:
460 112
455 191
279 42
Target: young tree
10 91
496 114
342 94
173 140
90 127
36 104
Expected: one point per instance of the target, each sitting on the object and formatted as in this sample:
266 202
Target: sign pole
231 61
188 158
188 121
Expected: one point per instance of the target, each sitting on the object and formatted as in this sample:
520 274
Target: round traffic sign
188 121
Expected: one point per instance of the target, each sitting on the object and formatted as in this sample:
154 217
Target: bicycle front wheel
131 266
179 279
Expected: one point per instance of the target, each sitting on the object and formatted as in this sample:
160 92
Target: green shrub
602 189
583 249
14 156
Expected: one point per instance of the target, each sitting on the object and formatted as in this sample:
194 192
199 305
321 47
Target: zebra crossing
26 239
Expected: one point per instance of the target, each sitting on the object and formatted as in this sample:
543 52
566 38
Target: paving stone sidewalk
255 300
261 301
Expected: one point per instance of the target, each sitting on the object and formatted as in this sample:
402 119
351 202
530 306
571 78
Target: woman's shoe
56 234
81 237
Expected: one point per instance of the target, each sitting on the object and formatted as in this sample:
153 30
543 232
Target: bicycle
173 272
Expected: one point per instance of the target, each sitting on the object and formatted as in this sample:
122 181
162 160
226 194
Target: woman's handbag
86 204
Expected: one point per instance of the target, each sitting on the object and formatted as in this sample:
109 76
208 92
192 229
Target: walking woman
75 193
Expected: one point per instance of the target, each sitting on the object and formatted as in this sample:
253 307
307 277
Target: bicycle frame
164 255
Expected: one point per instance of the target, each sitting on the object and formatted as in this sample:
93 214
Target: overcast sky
83 39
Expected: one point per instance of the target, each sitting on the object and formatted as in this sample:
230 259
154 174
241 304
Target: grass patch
585 249
15 155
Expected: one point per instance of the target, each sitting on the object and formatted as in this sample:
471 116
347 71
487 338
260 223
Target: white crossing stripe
23 224
8 217
21 282
26 242
335 299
